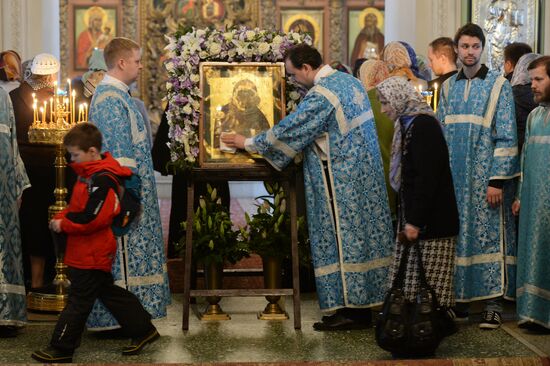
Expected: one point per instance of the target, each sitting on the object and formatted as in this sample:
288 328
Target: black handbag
410 328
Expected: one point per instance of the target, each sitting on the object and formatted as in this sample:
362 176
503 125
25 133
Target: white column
30 26
400 19
42 27
546 24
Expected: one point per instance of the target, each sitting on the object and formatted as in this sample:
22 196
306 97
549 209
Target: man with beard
477 110
533 277
370 34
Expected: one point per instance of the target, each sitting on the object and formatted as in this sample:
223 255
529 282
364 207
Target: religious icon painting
505 22
308 21
365 31
242 98
90 24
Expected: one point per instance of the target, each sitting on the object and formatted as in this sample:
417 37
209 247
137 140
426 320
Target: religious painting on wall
308 21
505 22
244 98
366 31
90 24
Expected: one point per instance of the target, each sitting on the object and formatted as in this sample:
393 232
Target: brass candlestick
52 133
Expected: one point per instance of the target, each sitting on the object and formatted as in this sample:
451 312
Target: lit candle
85 119
435 97
43 114
80 107
73 94
51 110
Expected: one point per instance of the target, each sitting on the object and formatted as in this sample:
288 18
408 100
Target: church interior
241 334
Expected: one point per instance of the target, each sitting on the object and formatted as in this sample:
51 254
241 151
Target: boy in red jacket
91 248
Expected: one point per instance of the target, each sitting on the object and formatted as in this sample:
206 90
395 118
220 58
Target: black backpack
129 196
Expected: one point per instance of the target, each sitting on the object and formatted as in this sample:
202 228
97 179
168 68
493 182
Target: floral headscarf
403 98
396 56
372 73
521 74
407 103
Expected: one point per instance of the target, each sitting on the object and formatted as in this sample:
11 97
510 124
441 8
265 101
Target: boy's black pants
87 285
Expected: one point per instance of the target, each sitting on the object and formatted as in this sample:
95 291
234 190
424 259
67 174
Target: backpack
129 198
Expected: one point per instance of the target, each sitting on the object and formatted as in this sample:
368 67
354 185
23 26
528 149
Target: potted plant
214 242
268 235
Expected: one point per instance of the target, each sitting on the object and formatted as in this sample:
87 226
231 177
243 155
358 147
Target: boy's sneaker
52 355
458 316
137 344
490 320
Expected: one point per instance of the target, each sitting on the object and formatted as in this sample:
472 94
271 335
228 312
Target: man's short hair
472 30
515 50
83 136
302 54
444 46
117 48
541 61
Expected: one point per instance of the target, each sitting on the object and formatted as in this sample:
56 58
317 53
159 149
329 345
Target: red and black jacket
87 220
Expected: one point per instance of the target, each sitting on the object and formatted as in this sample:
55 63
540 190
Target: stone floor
244 338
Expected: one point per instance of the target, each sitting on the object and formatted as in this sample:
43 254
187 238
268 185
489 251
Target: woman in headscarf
420 173
415 61
371 73
523 95
10 70
396 56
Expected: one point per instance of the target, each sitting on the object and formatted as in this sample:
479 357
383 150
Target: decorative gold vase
272 280
213 279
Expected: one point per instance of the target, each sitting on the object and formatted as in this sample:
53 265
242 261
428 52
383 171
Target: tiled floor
244 338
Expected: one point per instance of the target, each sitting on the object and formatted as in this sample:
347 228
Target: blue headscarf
414 61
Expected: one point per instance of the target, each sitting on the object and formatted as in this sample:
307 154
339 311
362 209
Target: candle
43 114
34 113
85 117
70 89
80 113
51 110
435 97
73 94
45 111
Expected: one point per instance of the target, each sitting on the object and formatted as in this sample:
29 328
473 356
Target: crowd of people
464 179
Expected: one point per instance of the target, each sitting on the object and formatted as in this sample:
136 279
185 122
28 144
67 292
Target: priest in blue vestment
477 109
347 205
13 181
140 265
533 275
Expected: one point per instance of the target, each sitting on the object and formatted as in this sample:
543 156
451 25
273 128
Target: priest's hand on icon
515 207
233 140
494 196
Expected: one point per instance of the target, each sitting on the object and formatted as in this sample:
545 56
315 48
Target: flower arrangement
268 231
214 240
189 47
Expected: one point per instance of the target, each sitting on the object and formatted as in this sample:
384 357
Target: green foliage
214 240
268 230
